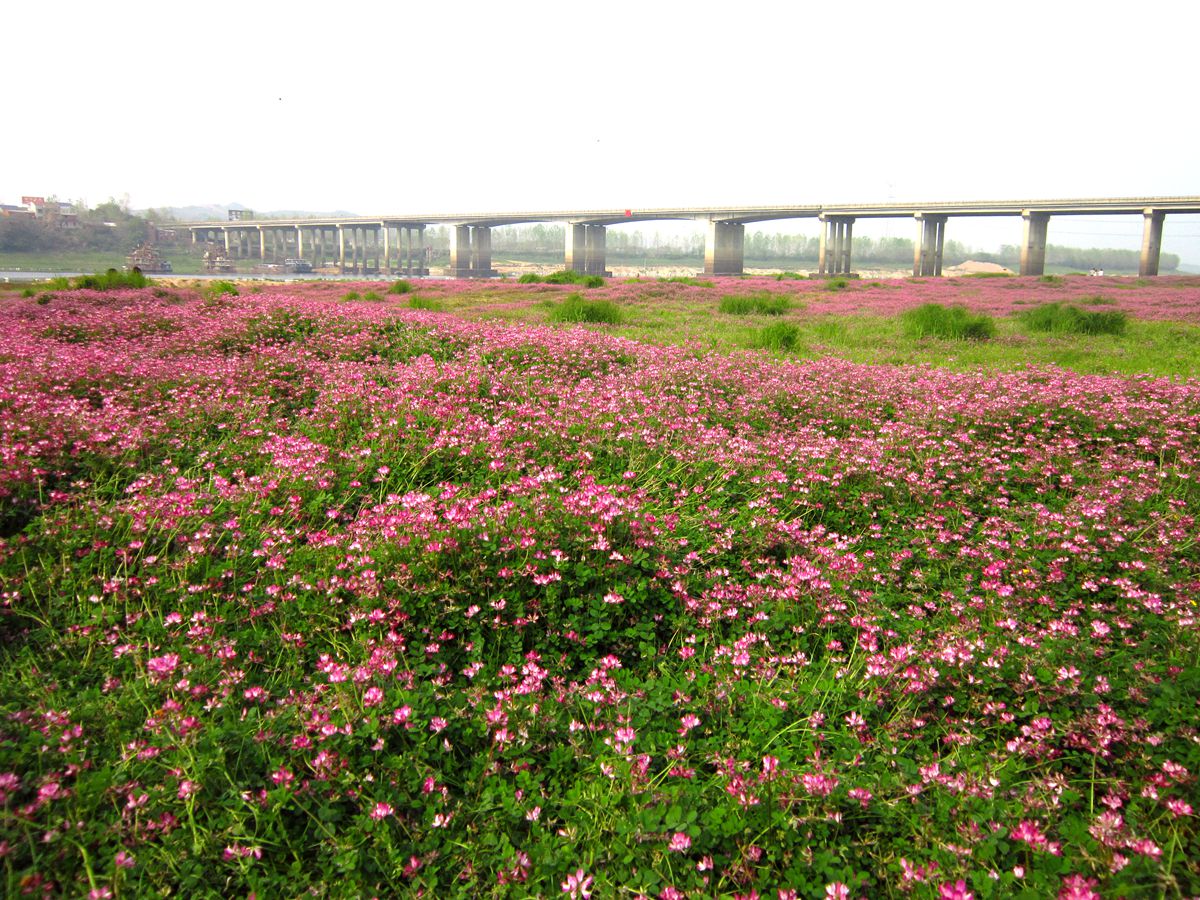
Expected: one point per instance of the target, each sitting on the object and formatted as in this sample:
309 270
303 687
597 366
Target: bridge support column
575 250
596 240
460 251
341 238
423 253
299 242
724 250
1151 242
927 251
481 252
834 257
1033 247
387 248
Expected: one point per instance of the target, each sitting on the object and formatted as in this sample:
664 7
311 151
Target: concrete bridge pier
460 251
341 241
931 240
575 250
1151 242
481 252
596 240
834 256
725 248
1033 247
299 242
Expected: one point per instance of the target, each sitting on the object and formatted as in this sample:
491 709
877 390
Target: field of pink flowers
1175 298
305 597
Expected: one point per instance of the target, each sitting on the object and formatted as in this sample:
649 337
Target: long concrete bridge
397 244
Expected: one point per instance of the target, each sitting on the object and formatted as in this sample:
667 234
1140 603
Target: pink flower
373 696
680 842
836 891
162 667
1077 887
578 884
381 811
956 891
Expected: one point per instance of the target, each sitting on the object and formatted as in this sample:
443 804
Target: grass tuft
762 303
779 336
1060 318
951 322
400 287
575 309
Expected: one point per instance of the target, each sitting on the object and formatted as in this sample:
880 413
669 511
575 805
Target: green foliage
419 302
400 287
1051 279
688 280
576 310
952 322
217 289
28 292
372 296
988 275
837 284
111 280
780 336
761 303
1063 319
790 276
352 295
564 276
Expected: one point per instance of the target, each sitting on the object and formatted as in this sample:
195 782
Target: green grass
427 303
1061 318
779 336
762 303
953 322
574 309
400 287
565 276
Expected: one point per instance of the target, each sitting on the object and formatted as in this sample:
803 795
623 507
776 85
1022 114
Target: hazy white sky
442 107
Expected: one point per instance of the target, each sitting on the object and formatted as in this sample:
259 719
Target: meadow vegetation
500 590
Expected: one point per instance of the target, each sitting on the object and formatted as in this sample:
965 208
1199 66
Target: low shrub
988 275
530 278
373 296
953 322
400 287
1051 279
352 295
837 284
215 289
1063 319
762 303
419 302
111 280
688 280
777 336
570 276
575 309
791 276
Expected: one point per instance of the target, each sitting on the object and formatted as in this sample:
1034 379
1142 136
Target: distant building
7 210
63 215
